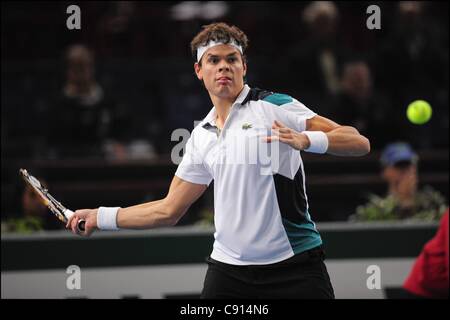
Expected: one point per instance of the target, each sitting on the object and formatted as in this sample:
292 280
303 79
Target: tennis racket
61 212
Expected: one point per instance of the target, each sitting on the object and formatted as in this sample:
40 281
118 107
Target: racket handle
81 223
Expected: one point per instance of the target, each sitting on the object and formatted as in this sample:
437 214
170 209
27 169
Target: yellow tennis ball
419 112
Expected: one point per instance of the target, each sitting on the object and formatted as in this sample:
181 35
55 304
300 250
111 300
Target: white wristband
318 141
107 218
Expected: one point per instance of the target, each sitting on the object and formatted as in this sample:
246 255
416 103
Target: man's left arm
323 135
342 140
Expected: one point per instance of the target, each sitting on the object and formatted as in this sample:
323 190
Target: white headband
210 44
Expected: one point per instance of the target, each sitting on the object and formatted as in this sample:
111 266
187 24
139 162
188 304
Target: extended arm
164 212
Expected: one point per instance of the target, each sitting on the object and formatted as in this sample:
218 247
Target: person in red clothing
429 276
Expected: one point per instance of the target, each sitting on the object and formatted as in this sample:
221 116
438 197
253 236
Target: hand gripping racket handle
81 223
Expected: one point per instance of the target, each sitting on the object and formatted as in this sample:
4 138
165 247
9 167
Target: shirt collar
210 119
242 95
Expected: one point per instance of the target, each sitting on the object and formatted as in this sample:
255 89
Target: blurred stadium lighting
189 10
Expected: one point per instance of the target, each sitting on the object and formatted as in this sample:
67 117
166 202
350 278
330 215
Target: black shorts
303 276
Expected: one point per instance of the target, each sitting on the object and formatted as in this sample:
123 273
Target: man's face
80 67
31 203
357 81
222 71
402 177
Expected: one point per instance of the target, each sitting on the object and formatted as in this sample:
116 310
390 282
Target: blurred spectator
430 275
83 116
33 207
403 200
183 88
34 215
118 33
317 59
413 55
358 105
412 63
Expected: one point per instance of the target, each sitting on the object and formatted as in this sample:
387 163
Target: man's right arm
166 212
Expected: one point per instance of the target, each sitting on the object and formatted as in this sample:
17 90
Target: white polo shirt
260 203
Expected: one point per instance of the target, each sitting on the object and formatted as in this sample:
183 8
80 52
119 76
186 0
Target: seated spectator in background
430 275
360 106
414 53
403 200
412 63
33 207
318 58
119 32
83 117
34 215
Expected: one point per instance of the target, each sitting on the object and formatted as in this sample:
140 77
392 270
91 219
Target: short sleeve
299 109
192 167
287 110
289 119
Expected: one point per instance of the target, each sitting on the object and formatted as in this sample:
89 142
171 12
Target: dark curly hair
219 31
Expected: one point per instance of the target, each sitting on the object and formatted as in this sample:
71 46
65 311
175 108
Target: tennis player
266 244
